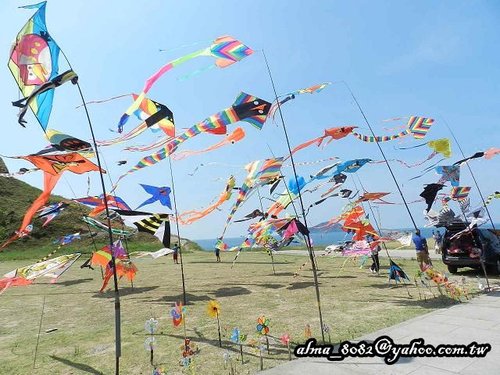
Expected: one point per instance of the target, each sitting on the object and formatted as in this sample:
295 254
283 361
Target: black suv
469 248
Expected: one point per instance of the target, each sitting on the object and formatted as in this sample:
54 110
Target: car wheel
452 269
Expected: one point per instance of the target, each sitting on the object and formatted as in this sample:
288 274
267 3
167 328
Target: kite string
383 154
470 170
110 233
308 239
103 100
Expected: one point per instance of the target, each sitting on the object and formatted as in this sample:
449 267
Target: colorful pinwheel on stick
285 340
213 311
238 338
177 314
263 328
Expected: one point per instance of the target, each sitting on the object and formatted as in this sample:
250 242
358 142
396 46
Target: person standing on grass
217 254
422 250
375 267
438 239
176 253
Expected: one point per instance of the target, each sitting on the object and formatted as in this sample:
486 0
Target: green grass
354 302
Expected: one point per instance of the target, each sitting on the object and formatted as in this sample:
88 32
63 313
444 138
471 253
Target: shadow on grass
238 262
79 366
73 282
300 285
233 291
179 297
125 291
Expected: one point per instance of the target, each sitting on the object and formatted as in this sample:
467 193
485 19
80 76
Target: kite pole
471 173
307 237
184 300
262 209
378 225
118 350
383 155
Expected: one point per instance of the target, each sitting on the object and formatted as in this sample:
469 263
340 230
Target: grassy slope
15 198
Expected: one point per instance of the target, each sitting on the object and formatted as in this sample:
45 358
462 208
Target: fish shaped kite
226 50
330 134
245 108
158 193
34 61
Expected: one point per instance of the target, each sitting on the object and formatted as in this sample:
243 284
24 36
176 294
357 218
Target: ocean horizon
319 239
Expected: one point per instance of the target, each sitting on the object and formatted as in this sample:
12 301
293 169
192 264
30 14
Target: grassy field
354 302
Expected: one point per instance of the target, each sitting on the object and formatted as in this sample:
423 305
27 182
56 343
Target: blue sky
434 59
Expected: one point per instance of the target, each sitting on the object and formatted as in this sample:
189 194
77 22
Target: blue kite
159 193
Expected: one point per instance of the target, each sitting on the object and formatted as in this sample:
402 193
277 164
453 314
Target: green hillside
15 198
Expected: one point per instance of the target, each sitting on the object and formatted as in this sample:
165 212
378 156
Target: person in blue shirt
422 250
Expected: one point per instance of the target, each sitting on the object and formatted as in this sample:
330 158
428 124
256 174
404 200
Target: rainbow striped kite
459 192
245 108
226 50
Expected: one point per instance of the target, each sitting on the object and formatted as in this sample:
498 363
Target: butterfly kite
226 51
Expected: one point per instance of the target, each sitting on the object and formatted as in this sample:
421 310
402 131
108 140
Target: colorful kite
245 108
491 152
330 134
372 197
237 135
124 267
157 225
153 115
104 228
51 212
189 217
260 172
64 142
449 173
418 126
34 61
53 166
99 204
489 198
396 273
290 96
351 166
459 192
226 51
52 268
158 193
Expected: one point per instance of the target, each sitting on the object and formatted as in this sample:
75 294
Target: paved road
396 254
477 320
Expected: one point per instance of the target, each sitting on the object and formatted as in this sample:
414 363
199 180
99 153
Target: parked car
469 248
